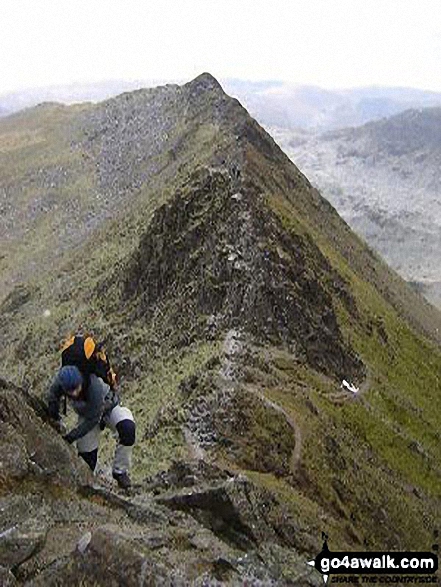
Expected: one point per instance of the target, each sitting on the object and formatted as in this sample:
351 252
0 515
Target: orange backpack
89 357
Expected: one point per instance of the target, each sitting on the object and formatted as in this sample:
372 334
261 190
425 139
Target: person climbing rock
97 406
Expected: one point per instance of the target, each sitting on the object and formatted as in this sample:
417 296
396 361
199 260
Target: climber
97 406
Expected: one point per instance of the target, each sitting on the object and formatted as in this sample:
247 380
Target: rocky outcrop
30 449
138 135
137 559
237 512
21 542
39 473
193 524
204 527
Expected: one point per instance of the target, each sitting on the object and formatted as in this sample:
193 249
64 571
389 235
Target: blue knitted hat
70 377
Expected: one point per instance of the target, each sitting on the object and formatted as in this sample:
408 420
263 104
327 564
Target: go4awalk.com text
403 568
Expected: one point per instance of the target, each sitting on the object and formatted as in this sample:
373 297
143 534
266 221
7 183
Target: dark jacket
96 400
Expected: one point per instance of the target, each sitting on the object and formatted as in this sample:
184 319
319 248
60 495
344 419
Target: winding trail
339 397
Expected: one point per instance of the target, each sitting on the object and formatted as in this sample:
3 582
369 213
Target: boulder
237 511
29 446
20 542
7 579
186 474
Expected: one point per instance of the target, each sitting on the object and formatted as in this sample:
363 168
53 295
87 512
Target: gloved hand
68 438
59 426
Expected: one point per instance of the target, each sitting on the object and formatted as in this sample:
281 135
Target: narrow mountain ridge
217 251
89 163
234 301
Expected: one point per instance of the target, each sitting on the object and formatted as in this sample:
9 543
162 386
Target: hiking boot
123 479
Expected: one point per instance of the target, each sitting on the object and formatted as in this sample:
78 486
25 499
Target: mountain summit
285 382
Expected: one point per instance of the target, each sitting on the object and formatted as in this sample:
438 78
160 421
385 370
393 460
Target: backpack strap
103 368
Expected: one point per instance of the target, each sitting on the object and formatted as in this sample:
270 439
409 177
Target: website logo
365 564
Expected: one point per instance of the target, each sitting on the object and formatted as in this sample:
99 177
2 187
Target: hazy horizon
336 46
271 84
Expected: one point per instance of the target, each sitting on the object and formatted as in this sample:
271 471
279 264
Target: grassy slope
382 467
40 174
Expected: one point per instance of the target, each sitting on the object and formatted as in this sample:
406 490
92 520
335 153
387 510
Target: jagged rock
173 546
139 510
14 463
237 511
110 559
186 554
166 555
114 558
37 451
21 542
282 293
186 474
221 413
7 579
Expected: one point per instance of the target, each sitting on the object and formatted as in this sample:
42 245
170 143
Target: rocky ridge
220 250
90 163
194 524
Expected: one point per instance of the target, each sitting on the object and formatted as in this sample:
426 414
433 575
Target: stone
84 542
237 511
7 579
21 542
29 446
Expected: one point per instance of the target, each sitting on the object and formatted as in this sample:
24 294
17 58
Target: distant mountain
292 107
234 301
385 180
69 94
272 102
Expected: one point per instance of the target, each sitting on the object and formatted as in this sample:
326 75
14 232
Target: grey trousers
123 454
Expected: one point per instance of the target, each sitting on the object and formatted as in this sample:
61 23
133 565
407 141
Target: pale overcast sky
329 43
